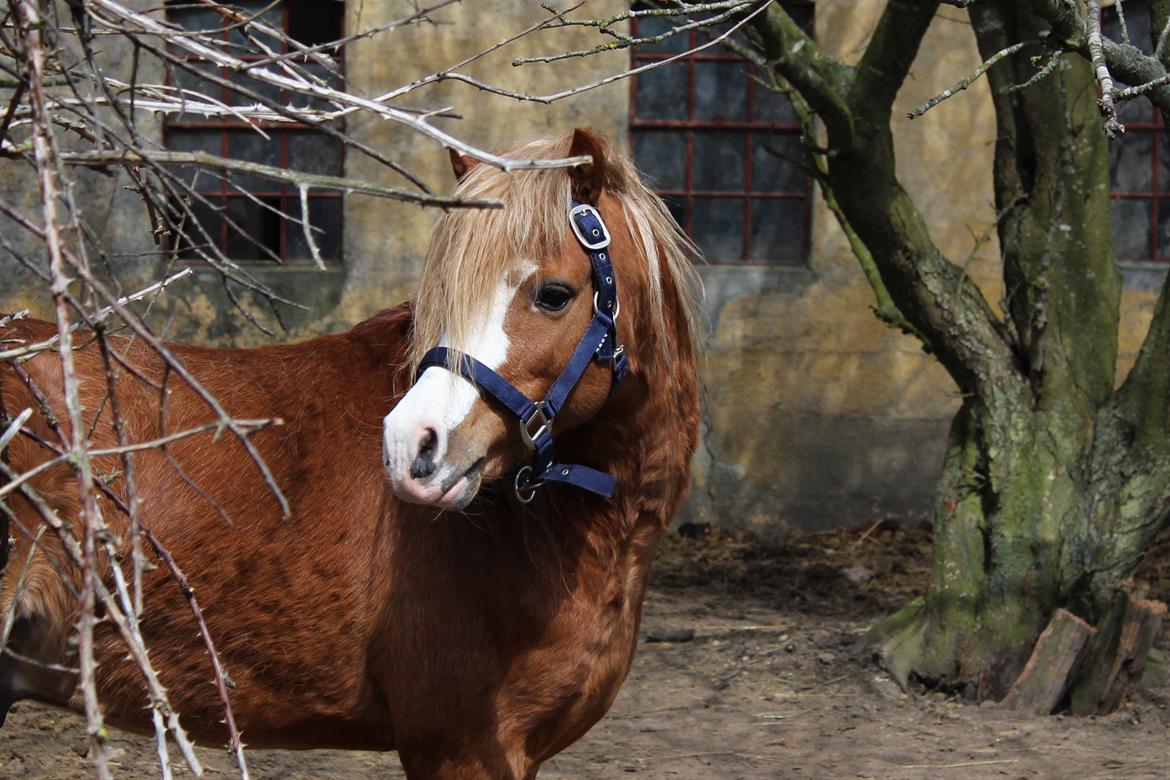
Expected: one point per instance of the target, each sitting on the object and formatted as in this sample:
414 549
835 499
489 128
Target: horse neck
645 435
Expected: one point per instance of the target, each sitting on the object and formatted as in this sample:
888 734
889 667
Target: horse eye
553 296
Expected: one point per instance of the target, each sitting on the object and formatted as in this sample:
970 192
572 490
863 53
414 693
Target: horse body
476 642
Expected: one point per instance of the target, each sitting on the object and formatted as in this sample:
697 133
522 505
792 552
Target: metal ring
617 307
520 491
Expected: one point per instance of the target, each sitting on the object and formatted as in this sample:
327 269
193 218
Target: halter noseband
598 344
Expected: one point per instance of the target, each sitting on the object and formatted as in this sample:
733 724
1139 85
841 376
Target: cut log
1056 658
1117 655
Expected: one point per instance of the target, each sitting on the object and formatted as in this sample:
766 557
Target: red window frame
698 127
1157 196
286 196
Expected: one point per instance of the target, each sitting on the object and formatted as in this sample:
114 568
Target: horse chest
568 684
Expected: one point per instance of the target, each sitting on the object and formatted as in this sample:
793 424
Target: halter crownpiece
598 344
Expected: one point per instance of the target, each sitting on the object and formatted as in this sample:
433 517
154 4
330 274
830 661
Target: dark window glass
313 22
772 107
717 226
777 163
653 26
662 93
259 226
325 217
662 156
719 95
1131 228
777 228
250 146
723 151
243 220
719 161
313 153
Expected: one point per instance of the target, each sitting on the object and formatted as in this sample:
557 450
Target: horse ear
461 163
588 179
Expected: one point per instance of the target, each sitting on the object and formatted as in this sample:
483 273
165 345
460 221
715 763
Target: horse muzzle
422 465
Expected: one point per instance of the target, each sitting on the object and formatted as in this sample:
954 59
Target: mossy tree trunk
1053 481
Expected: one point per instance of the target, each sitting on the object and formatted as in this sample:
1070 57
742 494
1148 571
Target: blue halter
598 344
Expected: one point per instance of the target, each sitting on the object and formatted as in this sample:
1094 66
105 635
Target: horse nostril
424 463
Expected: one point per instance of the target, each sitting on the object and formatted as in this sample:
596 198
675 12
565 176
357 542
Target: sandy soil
769 686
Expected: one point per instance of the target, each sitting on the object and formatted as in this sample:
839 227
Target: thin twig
962 84
1101 70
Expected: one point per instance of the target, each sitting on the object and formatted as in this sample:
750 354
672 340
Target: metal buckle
617 307
600 239
524 494
542 422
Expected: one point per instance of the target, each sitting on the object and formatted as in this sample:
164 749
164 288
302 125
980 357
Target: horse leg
37 611
469 763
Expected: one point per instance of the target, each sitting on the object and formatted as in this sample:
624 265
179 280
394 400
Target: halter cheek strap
598 344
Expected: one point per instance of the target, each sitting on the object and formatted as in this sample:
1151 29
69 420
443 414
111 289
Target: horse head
524 298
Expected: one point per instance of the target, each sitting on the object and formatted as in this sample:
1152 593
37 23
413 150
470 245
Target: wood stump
1090 669
1057 657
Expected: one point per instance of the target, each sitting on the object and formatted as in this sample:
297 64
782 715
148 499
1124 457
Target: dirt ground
768 687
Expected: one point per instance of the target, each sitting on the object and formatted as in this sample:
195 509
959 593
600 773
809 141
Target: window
255 203
721 150
1139 161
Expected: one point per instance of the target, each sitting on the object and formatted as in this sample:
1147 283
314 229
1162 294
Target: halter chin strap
599 344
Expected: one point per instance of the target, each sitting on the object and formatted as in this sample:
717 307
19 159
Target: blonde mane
470 249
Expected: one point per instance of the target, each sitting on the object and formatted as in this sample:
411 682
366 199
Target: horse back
303 578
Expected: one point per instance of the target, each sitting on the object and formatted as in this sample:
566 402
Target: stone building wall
816 415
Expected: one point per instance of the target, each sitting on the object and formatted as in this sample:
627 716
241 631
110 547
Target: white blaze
441 399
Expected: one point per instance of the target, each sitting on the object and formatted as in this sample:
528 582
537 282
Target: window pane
328 79
662 93
250 146
204 229
325 215
269 92
662 156
719 161
1163 161
650 26
312 22
1135 111
677 206
262 226
191 17
1131 228
776 163
196 84
1163 230
1137 21
771 107
717 227
777 231
273 17
1131 160
720 92
195 141
313 152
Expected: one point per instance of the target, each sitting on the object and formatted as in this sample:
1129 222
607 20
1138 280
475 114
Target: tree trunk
1030 513
1054 481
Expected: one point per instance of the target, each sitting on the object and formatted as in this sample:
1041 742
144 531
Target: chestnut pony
411 601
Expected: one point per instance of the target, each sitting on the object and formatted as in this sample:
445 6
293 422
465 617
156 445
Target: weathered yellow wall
816 414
